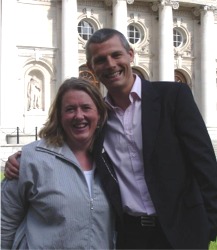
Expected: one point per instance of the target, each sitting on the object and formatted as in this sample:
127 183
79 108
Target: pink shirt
123 143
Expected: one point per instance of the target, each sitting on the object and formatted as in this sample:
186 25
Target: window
85 29
139 73
179 77
177 38
85 73
133 34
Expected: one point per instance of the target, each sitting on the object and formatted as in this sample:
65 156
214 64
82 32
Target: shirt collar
135 93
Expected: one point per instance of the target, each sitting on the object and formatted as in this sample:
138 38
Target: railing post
18 139
36 133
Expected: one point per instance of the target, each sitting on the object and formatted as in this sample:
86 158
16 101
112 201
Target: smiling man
162 153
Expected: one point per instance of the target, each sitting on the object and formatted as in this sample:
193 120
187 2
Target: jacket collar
150 117
63 152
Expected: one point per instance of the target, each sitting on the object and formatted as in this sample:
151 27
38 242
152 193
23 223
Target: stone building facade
42 42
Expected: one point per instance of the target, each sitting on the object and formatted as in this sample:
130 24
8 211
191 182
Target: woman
58 202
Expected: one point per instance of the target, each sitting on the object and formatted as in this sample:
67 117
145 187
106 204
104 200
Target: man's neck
120 100
120 96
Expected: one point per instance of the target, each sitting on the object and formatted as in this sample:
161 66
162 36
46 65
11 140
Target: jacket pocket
193 195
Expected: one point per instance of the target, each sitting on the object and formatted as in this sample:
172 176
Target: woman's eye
86 108
70 109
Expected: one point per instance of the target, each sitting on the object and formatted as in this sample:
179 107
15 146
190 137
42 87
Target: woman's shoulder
30 151
33 144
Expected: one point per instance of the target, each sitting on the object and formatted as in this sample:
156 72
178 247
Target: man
162 154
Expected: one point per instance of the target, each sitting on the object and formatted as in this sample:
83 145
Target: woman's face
79 118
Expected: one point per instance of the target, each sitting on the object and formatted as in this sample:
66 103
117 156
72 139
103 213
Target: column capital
209 8
156 5
109 2
197 11
174 4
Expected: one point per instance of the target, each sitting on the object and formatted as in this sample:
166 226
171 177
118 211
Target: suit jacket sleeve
198 149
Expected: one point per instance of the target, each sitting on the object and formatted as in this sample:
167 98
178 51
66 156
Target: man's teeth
114 74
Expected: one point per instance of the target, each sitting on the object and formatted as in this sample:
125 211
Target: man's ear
131 53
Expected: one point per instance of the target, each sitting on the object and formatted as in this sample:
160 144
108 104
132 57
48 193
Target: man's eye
99 60
117 55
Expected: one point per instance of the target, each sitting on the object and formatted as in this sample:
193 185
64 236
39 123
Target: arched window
179 77
133 33
179 37
136 71
85 29
85 73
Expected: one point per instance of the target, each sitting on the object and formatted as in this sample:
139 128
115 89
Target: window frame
90 27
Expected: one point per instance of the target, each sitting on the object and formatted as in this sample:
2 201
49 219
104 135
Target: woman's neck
84 158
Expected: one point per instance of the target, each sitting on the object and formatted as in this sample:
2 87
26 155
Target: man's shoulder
165 85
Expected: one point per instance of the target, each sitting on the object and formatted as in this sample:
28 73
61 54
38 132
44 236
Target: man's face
110 62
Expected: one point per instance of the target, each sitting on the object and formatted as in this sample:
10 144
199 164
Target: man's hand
12 166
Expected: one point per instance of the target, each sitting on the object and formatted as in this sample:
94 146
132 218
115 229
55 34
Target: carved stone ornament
196 11
84 11
175 5
209 8
108 2
155 6
172 3
130 1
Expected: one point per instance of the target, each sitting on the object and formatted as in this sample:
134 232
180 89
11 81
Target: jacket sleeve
12 212
198 149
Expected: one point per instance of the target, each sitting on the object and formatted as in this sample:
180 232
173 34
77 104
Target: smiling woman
66 106
59 192
79 119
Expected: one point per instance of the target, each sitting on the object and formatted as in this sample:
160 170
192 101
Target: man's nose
110 62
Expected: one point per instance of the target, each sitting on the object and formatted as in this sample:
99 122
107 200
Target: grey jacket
49 206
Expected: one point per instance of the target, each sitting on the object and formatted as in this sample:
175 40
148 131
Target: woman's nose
79 113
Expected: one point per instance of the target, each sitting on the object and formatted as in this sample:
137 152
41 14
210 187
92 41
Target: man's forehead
112 40
106 47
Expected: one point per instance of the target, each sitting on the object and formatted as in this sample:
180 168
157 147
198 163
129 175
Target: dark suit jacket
105 168
179 164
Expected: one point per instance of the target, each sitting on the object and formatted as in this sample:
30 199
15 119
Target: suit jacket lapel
150 118
107 174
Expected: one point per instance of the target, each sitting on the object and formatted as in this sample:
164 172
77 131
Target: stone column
208 67
119 10
10 91
120 16
166 51
69 39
